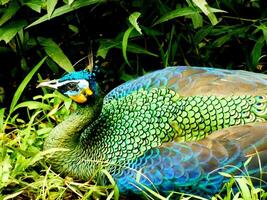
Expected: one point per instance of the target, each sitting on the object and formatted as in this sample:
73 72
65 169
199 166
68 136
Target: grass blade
2 115
23 85
125 42
65 9
244 189
32 105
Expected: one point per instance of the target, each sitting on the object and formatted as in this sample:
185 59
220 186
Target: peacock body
155 131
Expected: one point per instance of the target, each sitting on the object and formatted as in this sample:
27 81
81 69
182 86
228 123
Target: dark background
230 44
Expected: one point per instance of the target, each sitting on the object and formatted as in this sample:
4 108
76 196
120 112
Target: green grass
24 174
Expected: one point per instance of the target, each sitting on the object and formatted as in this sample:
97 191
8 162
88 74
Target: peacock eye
72 86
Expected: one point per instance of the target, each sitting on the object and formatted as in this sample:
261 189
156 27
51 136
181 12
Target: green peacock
173 129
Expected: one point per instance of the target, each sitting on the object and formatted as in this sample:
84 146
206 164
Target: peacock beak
82 96
51 84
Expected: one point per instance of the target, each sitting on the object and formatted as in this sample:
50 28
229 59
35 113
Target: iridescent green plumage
140 118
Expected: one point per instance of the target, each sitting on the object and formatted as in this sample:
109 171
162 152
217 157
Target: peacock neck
65 137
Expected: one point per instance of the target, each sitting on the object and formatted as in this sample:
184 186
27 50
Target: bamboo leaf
207 10
107 44
65 9
51 4
23 85
125 42
8 31
56 53
35 5
202 33
13 7
133 20
134 48
221 40
180 12
70 1
197 20
264 31
256 51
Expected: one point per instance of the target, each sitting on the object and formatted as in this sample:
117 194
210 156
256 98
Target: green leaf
32 105
65 9
244 189
264 31
73 28
107 44
35 5
56 54
4 2
256 52
133 20
225 174
151 32
51 4
70 1
134 48
197 20
125 42
207 10
8 31
12 196
23 85
202 33
2 115
180 12
13 7
221 40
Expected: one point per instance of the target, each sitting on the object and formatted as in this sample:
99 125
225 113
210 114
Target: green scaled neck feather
117 130
67 135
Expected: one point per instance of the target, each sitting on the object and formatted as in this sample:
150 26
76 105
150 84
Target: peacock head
79 86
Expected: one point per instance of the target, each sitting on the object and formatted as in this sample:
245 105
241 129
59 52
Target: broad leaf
256 51
35 5
180 12
56 54
207 10
8 31
13 7
133 20
51 4
264 31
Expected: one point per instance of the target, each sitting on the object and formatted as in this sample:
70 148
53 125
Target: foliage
127 38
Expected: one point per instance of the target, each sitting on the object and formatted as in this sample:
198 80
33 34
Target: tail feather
192 167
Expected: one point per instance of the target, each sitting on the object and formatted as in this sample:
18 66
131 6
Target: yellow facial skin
82 97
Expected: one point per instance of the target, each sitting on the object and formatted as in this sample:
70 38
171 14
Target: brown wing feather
206 81
251 137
